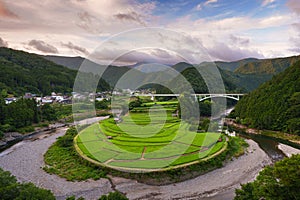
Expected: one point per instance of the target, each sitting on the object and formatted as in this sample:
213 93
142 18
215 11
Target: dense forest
275 105
24 72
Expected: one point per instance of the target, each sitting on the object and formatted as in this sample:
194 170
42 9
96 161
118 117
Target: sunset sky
228 29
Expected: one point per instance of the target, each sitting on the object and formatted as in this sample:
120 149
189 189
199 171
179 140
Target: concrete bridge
199 97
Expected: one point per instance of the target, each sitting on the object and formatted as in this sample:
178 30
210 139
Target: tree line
24 113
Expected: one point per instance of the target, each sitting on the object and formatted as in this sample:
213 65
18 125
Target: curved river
268 145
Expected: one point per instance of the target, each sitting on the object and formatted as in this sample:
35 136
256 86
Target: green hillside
231 66
25 72
70 62
193 77
267 66
275 105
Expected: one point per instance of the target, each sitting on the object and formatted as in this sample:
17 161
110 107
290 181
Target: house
233 134
28 95
117 119
10 100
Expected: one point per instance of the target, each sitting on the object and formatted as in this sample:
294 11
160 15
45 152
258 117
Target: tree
2 110
19 114
11 189
48 113
28 191
113 196
281 181
135 103
205 108
187 107
101 104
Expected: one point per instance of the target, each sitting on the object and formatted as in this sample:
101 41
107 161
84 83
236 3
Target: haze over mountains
25 72
246 74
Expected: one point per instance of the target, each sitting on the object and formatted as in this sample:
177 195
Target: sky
227 30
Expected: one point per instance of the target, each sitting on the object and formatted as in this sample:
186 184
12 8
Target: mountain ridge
275 104
26 72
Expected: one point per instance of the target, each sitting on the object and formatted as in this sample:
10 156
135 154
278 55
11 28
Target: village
67 99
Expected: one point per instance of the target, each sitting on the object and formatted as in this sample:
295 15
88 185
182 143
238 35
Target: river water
268 145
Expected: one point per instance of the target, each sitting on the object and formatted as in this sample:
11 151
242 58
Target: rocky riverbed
287 150
25 161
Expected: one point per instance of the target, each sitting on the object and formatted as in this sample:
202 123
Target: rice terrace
148 138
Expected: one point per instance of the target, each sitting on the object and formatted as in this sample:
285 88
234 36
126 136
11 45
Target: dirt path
143 153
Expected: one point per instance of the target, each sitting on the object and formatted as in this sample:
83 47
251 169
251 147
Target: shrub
26 129
11 189
113 196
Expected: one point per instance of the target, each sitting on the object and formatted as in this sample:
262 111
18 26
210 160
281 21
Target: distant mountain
25 72
181 66
70 62
246 74
275 105
231 66
267 66
198 83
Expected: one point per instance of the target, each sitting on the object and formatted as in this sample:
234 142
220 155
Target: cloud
86 22
75 48
90 22
198 7
267 2
295 42
239 40
210 2
3 43
5 12
132 16
42 46
117 56
222 51
294 5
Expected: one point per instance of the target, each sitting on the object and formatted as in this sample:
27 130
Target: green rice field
150 139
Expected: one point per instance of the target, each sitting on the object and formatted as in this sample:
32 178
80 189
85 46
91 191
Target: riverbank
25 161
285 138
12 138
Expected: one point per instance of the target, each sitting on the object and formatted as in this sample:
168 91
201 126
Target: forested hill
25 72
275 105
267 66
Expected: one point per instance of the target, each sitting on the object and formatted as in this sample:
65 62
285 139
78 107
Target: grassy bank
62 159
